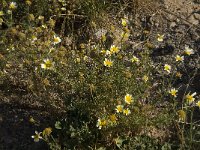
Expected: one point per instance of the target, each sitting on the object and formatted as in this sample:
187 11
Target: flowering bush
113 94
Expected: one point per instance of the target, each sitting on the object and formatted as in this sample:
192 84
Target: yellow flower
188 51
103 51
47 131
119 108
37 136
190 97
198 104
167 68
179 58
173 92
101 123
145 78
114 49
103 37
182 115
47 64
124 22
128 98
113 118
126 112
56 40
108 63
160 37
135 59
13 5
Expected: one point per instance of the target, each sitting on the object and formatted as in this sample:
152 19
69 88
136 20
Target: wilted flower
113 118
188 51
48 64
37 136
167 68
173 92
160 37
126 112
13 5
82 46
128 98
190 97
178 74
101 123
51 23
108 63
179 58
182 115
28 2
119 108
47 131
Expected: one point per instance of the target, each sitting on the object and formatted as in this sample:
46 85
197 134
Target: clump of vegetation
84 59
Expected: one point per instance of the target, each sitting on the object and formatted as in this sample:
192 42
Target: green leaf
101 148
58 125
119 142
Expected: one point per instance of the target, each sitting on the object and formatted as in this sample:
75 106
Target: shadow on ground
16 129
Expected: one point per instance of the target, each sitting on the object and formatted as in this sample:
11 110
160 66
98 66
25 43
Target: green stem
191 127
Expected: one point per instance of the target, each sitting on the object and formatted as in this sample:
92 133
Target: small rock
172 24
193 20
197 16
171 17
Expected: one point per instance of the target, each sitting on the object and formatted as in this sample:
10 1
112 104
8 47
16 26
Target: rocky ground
179 18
